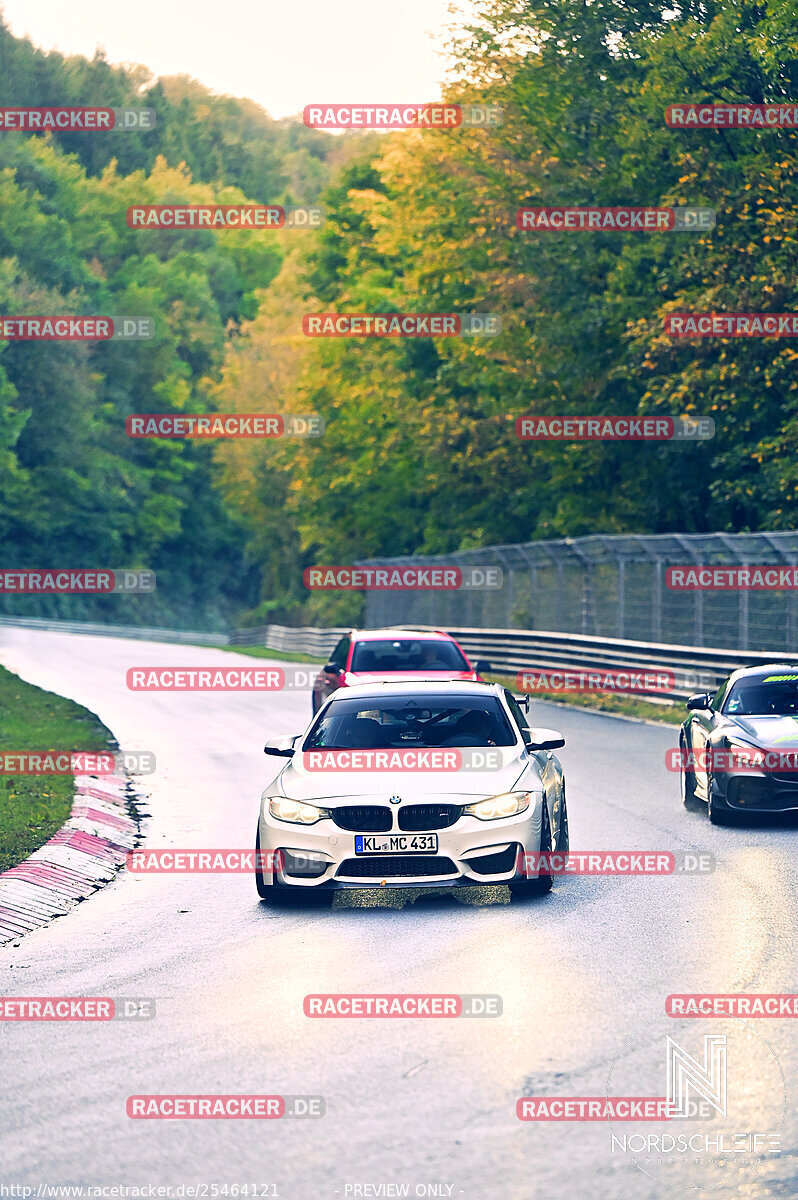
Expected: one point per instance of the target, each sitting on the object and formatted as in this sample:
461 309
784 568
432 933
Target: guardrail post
621 597
742 632
698 618
656 601
558 597
533 594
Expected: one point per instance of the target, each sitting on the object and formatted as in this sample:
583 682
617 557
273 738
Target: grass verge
34 807
624 706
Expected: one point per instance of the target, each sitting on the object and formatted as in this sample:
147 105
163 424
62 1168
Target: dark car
739 747
371 655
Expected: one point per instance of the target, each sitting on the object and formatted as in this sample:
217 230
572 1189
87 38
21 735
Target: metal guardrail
695 669
513 650
316 642
507 650
308 640
143 632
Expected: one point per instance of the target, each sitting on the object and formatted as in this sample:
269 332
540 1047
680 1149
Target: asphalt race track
583 974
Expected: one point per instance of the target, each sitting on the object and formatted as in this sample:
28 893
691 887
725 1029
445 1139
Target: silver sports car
739 746
413 784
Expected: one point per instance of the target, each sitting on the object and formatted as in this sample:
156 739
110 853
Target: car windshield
393 722
774 695
407 654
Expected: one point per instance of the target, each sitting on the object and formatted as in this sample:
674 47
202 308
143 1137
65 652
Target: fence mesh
610 587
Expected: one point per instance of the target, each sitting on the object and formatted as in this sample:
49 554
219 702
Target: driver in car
474 728
430 660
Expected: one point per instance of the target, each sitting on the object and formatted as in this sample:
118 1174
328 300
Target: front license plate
396 843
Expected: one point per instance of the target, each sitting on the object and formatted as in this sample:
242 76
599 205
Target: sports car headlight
296 811
507 805
738 755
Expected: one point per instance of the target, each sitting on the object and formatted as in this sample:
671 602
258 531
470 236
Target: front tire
265 891
541 885
686 778
563 837
280 894
717 814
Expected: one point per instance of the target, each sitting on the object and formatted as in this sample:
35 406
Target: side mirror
546 739
482 664
280 747
332 668
700 700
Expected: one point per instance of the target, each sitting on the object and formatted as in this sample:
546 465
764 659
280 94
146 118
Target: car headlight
735 744
507 805
738 755
296 811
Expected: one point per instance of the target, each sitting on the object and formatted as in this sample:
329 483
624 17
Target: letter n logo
684 1073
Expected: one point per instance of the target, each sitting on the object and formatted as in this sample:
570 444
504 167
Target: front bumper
470 853
756 791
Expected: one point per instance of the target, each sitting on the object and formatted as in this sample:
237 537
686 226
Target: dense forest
419 453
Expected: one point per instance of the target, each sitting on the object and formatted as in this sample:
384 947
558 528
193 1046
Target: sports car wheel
717 814
265 891
541 885
283 894
563 838
686 778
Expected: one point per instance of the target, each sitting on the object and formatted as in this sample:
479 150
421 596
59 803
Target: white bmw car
408 784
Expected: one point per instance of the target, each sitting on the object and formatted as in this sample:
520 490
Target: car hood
299 783
770 732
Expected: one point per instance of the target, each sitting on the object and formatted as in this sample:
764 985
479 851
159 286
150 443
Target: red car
366 656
